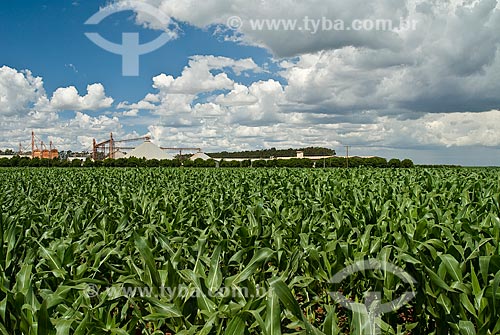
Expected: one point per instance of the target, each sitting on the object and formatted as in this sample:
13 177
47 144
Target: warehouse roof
201 155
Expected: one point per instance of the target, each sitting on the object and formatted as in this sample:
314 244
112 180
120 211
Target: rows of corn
71 241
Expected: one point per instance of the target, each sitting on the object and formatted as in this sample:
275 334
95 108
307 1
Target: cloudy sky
427 87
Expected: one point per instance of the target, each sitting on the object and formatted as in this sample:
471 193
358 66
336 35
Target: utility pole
347 155
94 150
32 144
111 147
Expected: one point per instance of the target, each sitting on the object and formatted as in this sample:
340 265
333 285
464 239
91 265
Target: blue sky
430 93
48 37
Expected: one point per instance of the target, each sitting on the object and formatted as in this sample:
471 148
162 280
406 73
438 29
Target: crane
112 148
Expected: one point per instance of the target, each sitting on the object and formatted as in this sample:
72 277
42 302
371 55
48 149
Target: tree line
273 152
334 162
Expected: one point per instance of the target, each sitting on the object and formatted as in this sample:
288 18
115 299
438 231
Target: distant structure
148 151
113 149
120 154
200 155
300 155
42 151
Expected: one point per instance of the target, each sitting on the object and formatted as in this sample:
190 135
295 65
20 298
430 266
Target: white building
200 155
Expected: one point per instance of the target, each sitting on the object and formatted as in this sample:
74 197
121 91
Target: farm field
246 251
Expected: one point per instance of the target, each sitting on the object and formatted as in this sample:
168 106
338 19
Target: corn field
99 251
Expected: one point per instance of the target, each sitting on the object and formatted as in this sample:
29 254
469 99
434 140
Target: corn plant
97 251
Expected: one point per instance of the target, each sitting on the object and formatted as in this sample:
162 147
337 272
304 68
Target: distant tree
394 163
45 162
166 163
259 164
210 163
134 162
273 163
108 162
294 163
35 162
229 164
246 163
355 162
24 161
88 162
119 162
188 163
336 162
176 163
201 163
4 162
273 152
63 163
407 163
306 163
76 163
14 161
152 163
379 162
198 162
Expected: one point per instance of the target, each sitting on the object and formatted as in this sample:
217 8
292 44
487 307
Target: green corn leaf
452 267
273 314
149 260
214 279
235 326
45 326
330 326
260 256
466 328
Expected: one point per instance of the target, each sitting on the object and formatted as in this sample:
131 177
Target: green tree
407 163
76 163
108 162
394 163
259 164
134 162
153 163
246 163
88 162
4 162
24 161
188 163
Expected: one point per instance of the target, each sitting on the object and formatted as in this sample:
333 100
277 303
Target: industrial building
38 150
114 149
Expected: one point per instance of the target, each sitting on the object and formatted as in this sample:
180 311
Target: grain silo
42 152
